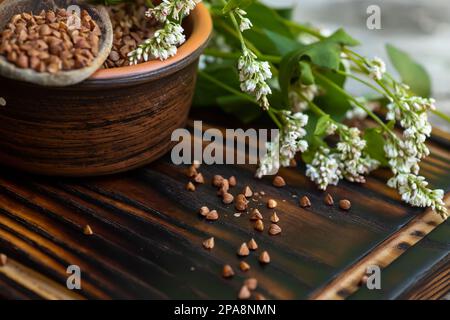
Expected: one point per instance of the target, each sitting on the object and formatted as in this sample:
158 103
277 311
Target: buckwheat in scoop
51 41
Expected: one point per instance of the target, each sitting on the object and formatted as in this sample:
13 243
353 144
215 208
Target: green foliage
411 72
375 145
325 53
234 4
322 125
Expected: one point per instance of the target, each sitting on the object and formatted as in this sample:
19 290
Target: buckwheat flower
291 140
332 127
298 92
253 75
414 191
162 45
411 113
245 23
324 170
175 9
354 164
376 68
270 163
400 158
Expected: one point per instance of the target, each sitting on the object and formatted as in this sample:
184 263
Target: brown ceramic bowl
117 120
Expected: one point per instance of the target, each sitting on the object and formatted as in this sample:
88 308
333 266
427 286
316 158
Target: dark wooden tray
147 240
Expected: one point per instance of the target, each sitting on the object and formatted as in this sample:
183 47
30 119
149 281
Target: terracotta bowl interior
198 27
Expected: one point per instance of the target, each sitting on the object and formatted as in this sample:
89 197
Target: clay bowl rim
202 27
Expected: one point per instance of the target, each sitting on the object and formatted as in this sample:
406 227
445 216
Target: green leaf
375 145
306 74
322 125
233 4
343 38
411 72
333 101
266 18
325 54
283 44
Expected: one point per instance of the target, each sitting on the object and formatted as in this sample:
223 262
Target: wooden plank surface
147 233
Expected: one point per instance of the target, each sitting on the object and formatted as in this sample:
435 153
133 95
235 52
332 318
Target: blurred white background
420 27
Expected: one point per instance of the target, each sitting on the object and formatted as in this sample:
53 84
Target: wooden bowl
9 8
117 120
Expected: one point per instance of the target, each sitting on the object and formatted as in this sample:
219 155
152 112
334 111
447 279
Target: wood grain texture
349 281
147 240
420 273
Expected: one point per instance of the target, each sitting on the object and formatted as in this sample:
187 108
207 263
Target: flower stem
272 115
368 84
441 115
272 112
355 101
226 87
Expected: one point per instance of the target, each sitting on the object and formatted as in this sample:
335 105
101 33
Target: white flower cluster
354 164
324 170
298 92
405 154
376 68
253 75
162 45
291 140
270 163
175 9
245 23
413 118
414 191
348 160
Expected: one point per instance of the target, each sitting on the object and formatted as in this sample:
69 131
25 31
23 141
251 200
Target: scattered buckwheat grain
217 181
251 283
244 293
199 178
208 243
3 259
274 218
227 271
256 215
248 193
244 266
259 225
345 204
87 230
274 229
271 204
252 245
227 198
264 257
243 250
190 187
329 200
204 211
278 182
305 202
212 215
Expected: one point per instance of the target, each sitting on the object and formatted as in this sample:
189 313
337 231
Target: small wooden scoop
9 8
